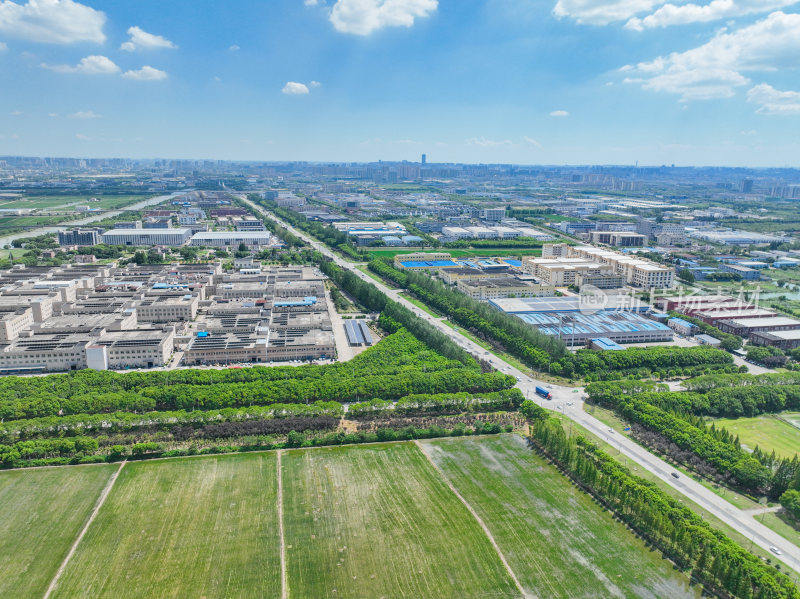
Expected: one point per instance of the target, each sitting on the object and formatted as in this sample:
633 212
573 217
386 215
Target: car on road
675 475
775 550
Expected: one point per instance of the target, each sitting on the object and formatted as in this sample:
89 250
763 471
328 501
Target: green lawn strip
41 513
183 527
557 540
372 275
768 432
741 539
379 521
459 253
420 305
731 496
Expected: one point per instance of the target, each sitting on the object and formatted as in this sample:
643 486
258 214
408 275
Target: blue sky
523 81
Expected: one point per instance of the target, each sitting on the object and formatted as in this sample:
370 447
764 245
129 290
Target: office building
232 239
147 237
79 237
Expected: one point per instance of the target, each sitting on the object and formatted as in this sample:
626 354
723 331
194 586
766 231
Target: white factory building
146 237
231 238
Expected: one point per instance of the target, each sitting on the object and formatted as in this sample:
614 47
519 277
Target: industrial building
576 328
232 239
147 237
746 327
501 287
682 327
577 320
109 317
785 340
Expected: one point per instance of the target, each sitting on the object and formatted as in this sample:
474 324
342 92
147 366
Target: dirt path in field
488 534
284 590
100 501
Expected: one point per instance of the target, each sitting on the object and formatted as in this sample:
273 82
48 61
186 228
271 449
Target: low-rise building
498 287
167 308
232 239
745 327
682 327
785 340
147 237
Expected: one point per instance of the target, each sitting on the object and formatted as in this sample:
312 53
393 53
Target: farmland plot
379 521
191 527
557 541
42 513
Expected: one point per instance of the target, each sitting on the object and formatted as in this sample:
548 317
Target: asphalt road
569 403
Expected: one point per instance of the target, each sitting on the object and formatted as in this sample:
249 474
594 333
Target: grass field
49 202
43 512
555 538
482 253
378 521
767 432
192 527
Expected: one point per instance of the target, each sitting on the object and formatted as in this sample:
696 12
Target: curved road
568 402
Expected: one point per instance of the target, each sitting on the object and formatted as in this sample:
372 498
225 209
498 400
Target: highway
567 401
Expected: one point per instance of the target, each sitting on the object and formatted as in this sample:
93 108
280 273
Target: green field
65 202
43 512
365 521
481 253
191 527
767 432
378 521
555 538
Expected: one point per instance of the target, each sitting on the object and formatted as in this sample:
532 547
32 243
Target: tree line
673 423
718 562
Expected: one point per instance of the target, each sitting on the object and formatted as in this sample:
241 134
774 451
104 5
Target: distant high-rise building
424 158
746 186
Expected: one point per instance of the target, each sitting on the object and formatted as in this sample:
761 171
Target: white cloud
773 101
91 65
17 113
314 84
146 73
671 14
488 143
85 115
3 46
292 88
362 17
311 2
141 40
82 137
52 21
559 113
601 12
716 69
233 48
52 115
531 141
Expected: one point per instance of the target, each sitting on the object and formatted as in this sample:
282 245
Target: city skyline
483 81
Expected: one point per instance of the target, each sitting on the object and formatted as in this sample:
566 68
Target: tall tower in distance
424 158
